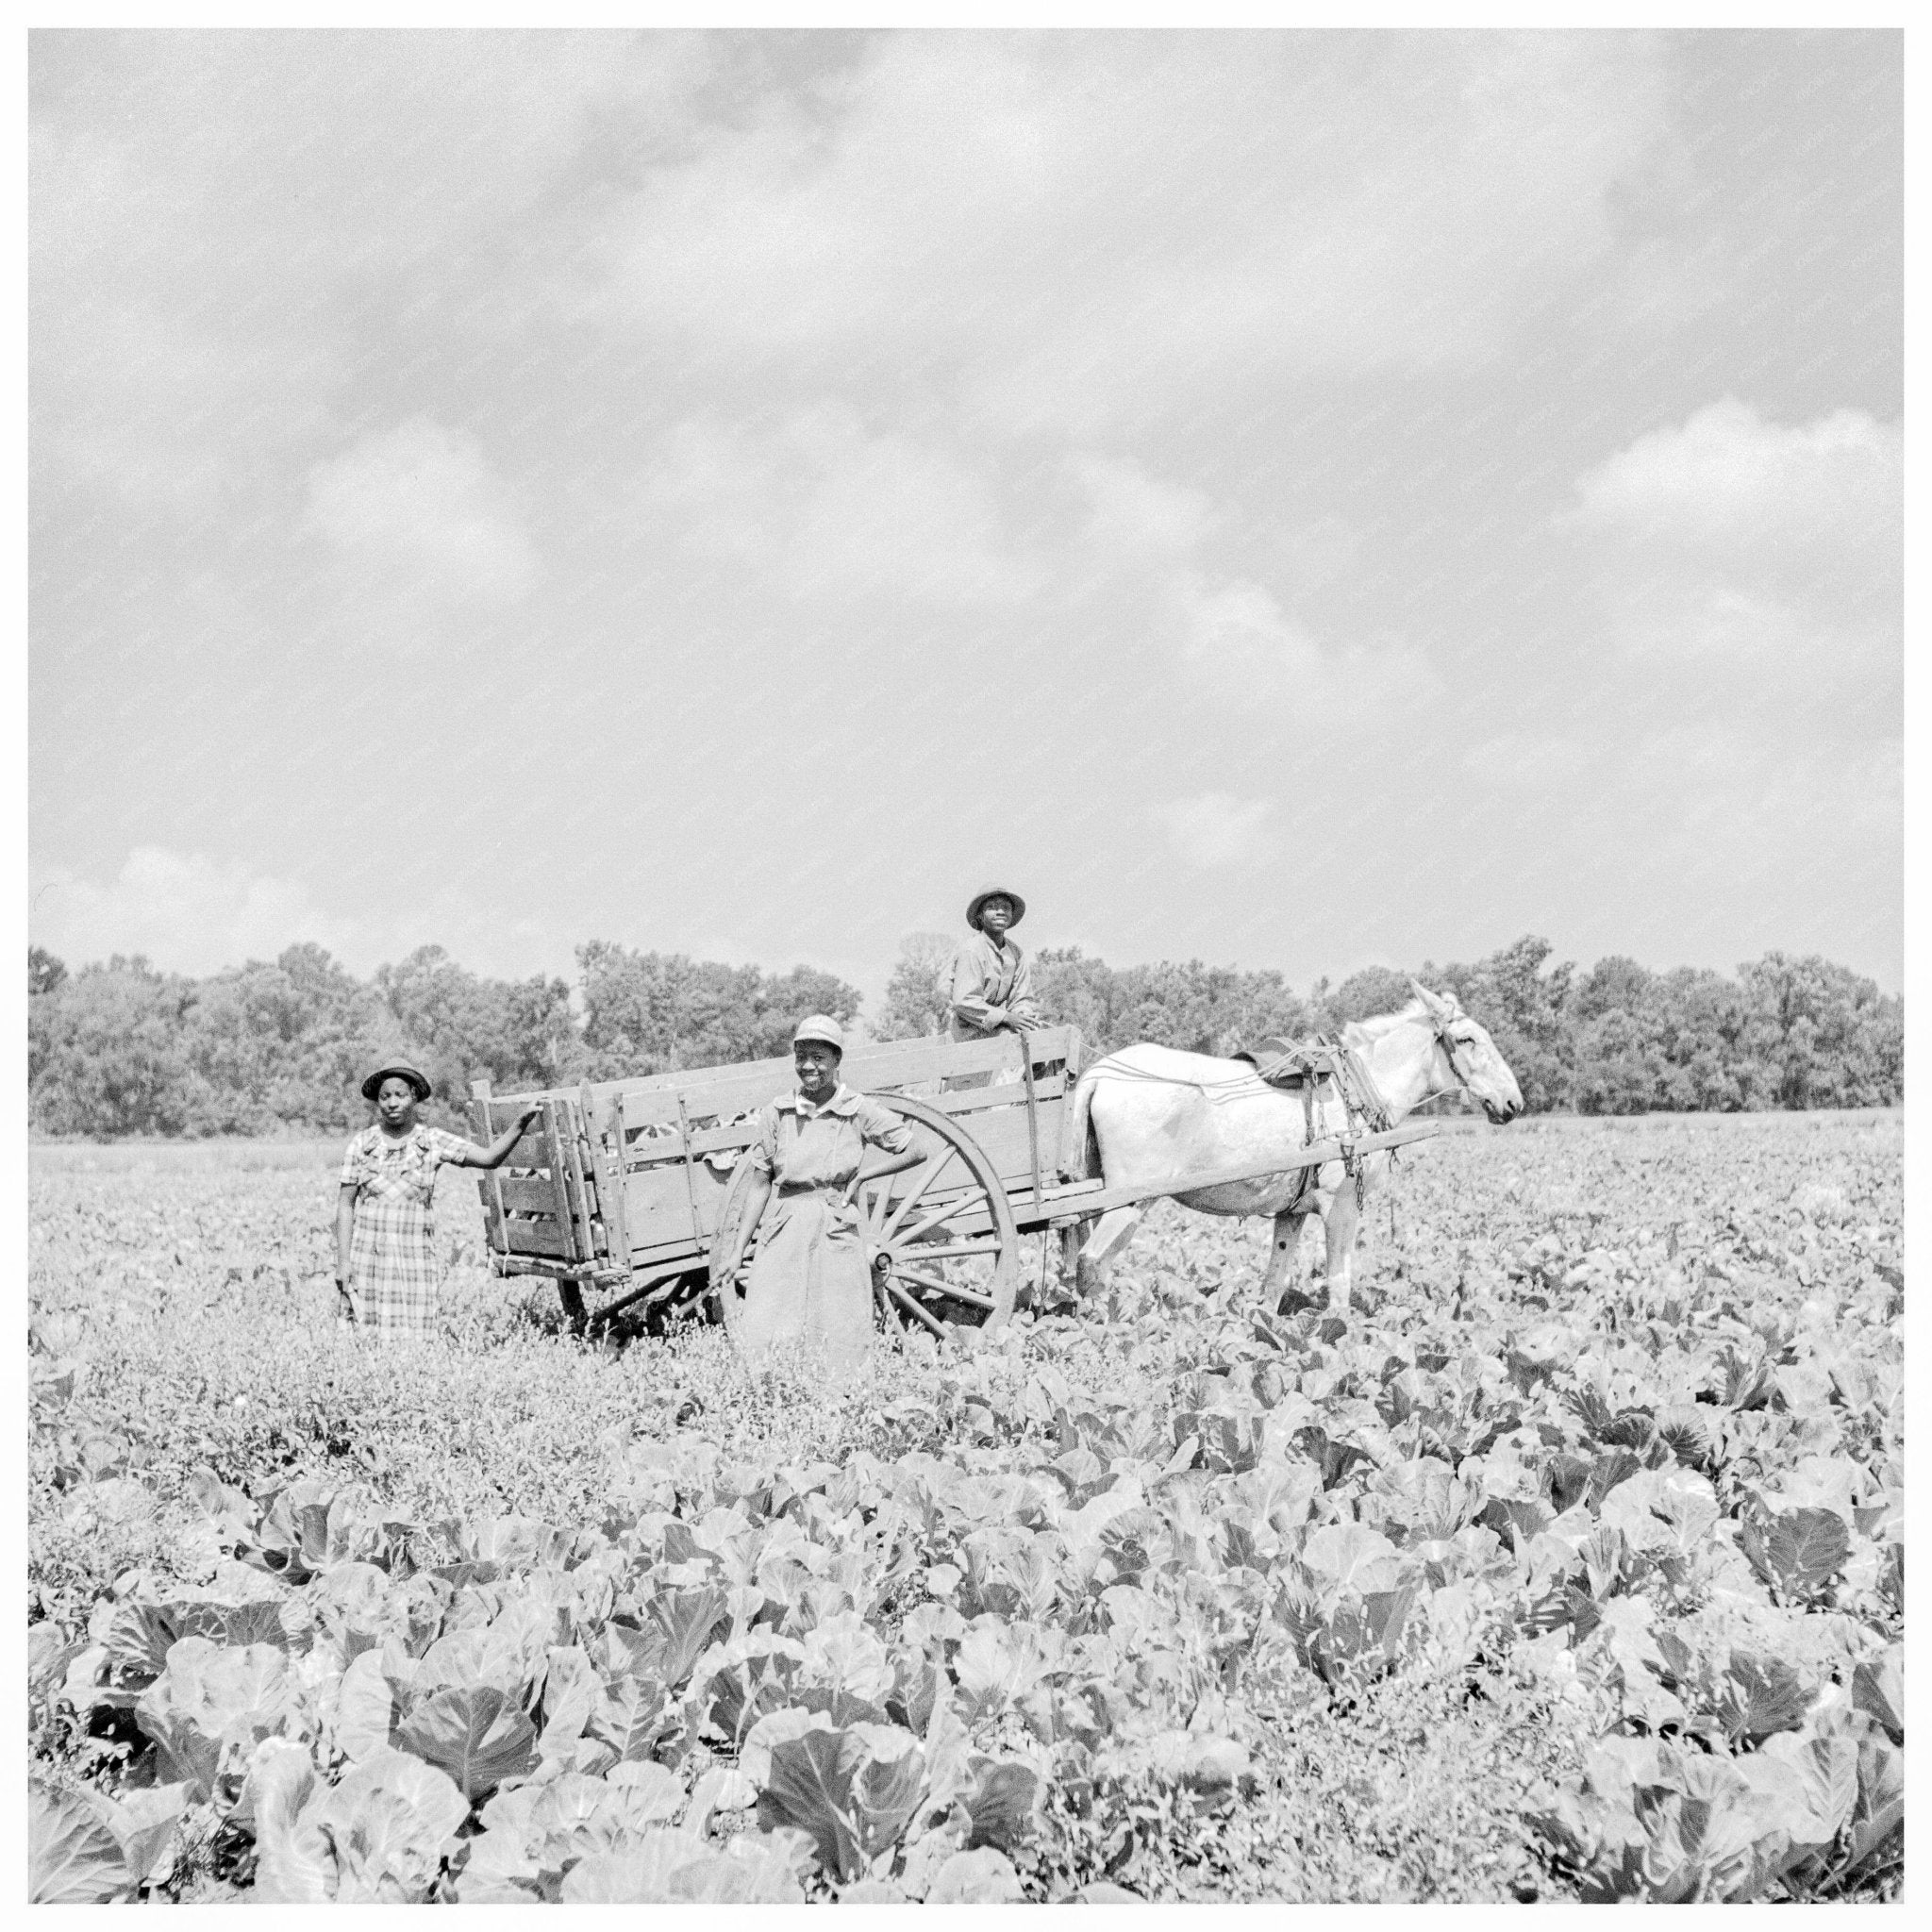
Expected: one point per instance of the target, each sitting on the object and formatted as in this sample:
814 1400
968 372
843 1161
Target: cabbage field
1572 1565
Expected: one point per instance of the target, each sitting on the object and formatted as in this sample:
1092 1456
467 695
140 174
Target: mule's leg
1342 1219
1073 1238
1111 1233
1284 1258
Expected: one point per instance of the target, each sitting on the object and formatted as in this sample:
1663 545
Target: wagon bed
625 1189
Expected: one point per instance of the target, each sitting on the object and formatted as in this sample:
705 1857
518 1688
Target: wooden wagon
624 1192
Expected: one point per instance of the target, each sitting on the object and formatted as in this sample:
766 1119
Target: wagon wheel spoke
948 1250
938 1217
928 1175
871 1201
879 1203
952 1291
912 1307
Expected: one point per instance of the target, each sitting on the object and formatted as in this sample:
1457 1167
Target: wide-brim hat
414 1076
980 899
821 1027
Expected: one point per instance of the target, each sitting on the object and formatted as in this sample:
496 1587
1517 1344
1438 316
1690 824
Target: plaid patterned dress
393 1278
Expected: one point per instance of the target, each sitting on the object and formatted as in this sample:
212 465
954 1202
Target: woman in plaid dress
386 1270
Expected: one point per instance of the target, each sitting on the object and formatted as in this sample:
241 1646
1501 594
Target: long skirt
394 1282
810 1286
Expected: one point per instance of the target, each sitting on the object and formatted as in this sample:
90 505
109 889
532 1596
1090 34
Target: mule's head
1470 1054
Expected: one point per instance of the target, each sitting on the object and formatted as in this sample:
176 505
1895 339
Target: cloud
1130 513
1083 226
831 509
1727 479
1144 530
187 912
1526 760
1216 829
211 211
1152 540
426 496
1239 633
1731 547
1718 622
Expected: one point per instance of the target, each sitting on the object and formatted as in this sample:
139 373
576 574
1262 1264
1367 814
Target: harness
1305 1063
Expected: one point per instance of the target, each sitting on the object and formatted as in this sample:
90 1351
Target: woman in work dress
811 1283
386 1273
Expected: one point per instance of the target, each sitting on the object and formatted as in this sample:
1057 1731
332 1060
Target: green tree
784 999
918 993
658 1012
519 1033
1212 1009
283 1046
1371 990
286 1044
106 1053
1075 991
43 971
1830 1037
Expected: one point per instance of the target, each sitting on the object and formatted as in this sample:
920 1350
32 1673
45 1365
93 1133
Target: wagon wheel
943 1247
940 1238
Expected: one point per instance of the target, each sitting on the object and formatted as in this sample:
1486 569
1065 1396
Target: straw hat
823 1028
414 1076
977 903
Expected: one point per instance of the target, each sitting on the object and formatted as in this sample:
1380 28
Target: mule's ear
1429 1000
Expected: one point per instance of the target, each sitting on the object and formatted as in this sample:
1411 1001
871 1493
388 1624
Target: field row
1571 1566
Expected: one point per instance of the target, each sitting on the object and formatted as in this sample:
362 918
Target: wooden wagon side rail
545 1209
870 1067
730 1135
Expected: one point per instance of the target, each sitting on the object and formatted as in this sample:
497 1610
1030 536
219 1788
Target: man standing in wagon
992 985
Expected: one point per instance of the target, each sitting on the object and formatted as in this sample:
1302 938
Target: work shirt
988 975
802 1144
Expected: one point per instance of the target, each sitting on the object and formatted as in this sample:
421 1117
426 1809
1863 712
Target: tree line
1616 1038
266 1048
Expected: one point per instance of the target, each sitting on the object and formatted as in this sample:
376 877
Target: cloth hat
980 899
414 1076
821 1027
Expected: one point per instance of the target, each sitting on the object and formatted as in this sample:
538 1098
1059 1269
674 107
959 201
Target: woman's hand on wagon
498 1150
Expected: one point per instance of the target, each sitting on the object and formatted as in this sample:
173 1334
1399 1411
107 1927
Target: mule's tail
1084 1150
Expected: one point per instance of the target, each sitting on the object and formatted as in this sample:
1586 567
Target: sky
1293 500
